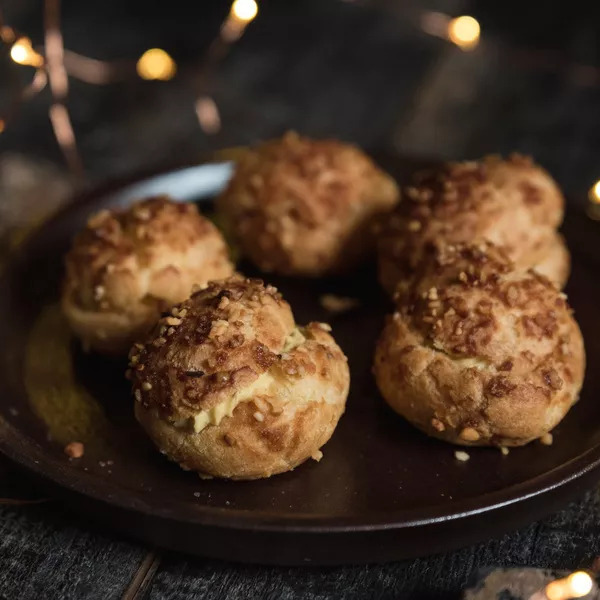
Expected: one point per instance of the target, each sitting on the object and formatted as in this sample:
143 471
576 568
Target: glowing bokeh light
244 10
23 54
576 585
594 193
156 64
464 32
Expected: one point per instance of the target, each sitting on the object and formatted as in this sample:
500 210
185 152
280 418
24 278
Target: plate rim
581 465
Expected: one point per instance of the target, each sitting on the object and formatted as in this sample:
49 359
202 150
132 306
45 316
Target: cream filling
293 340
261 386
473 363
214 415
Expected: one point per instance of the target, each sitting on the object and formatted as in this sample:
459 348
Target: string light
244 10
241 13
464 32
594 193
59 86
576 585
156 64
23 53
208 115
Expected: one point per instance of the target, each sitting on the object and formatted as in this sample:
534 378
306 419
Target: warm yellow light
2 125
23 54
464 32
594 194
581 584
244 10
576 585
156 64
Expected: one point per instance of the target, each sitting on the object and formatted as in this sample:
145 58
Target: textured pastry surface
127 266
479 352
299 206
512 203
229 386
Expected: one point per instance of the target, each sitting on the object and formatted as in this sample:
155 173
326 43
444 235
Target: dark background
363 71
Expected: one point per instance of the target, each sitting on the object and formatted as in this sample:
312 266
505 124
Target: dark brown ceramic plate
383 491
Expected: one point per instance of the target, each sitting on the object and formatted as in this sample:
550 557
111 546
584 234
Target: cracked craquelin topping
478 352
303 206
229 369
512 203
126 266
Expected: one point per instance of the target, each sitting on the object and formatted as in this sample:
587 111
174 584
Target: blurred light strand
463 31
23 53
156 64
208 115
244 10
594 193
576 585
59 85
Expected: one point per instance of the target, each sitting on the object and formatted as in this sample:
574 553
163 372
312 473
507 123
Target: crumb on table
74 450
318 455
461 455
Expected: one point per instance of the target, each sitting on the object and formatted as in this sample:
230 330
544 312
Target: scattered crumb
13 411
227 502
102 463
437 425
197 494
338 304
74 450
110 462
504 450
461 455
318 455
204 476
547 439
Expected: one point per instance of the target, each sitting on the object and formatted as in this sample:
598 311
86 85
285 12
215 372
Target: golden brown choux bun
479 353
128 265
305 207
512 203
229 386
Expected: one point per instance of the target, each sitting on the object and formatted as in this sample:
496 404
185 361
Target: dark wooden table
361 71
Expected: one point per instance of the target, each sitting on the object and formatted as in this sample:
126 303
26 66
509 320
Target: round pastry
479 353
229 386
550 258
512 203
127 266
306 207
